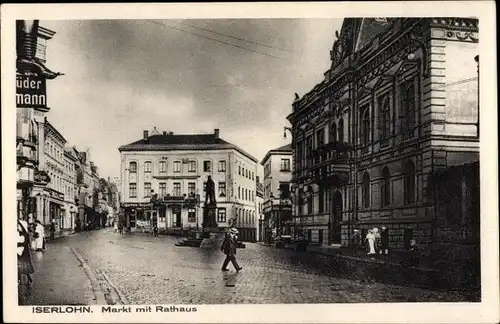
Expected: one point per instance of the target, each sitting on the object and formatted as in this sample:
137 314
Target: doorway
336 218
176 212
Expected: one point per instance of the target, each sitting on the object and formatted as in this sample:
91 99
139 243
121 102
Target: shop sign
133 205
31 91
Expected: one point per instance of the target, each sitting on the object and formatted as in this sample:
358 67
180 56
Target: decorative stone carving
463 36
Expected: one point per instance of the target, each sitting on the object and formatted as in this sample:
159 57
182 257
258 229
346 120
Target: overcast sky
122 77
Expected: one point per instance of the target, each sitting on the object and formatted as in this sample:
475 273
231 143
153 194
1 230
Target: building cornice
275 152
45 32
183 147
49 128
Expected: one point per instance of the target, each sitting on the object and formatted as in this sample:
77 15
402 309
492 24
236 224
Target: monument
209 236
209 209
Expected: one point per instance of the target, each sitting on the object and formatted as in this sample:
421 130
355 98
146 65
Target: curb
100 299
121 296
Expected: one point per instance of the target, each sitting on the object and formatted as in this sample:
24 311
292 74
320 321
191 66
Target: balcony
184 199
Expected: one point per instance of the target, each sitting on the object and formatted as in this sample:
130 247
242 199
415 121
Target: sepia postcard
328 162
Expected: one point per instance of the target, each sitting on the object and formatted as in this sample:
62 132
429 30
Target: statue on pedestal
210 208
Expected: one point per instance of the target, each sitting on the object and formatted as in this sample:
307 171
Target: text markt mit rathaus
112 309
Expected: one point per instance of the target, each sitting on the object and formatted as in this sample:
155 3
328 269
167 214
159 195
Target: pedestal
211 237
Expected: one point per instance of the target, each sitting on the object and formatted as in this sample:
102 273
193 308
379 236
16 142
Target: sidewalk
394 257
59 234
59 279
355 264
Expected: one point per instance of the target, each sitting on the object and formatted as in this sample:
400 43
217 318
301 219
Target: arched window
132 167
365 126
407 104
147 166
386 187
366 190
340 137
409 185
333 133
385 117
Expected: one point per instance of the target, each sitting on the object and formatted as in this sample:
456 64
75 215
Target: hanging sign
31 91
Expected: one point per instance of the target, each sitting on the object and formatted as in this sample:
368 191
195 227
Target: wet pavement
59 279
141 269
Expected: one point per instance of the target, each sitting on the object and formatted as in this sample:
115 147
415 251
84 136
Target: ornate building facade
31 101
396 114
176 168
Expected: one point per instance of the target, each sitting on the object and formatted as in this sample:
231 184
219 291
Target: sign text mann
31 92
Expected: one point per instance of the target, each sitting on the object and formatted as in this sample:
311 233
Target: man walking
229 249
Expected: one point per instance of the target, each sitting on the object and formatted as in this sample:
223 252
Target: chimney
216 133
145 134
164 133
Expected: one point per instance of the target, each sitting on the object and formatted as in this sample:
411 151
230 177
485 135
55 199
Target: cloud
126 76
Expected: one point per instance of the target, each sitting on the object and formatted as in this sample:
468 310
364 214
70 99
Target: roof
285 149
194 139
48 126
172 142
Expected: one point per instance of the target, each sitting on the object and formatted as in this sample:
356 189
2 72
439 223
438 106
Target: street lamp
476 58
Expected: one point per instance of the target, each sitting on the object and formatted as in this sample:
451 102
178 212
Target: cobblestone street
141 269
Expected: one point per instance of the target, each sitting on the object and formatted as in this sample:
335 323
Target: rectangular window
177 166
163 166
192 188
177 189
147 167
285 164
132 190
222 166
246 173
207 166
163 189
147 189
253 176
192 166
191 215
222 189
239 193
221 215
239 170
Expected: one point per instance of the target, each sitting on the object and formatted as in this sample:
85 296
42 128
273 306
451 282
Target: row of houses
55 181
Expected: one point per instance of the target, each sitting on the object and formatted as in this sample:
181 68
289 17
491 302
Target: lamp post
476 58
271 197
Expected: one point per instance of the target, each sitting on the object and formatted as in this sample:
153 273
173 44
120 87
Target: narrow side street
141 269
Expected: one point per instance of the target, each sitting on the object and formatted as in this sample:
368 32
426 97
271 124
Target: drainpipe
476 58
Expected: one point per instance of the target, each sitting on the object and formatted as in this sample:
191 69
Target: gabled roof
285 149
173 142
